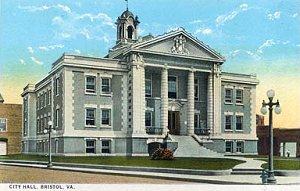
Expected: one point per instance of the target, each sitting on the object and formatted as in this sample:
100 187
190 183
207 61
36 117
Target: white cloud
222 19
275 15
65 35
22 61
204 31
57 20
35 60
106 20
295 15
298 45
196 21
64 8
266 44
30 50
77 51
44 48
51 47
234 53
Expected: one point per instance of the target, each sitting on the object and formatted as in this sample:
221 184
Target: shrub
162 154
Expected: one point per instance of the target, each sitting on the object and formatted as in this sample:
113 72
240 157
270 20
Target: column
283 149
217 100
210 114
164 100
190 102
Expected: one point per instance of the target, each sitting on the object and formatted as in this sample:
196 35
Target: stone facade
10 128
145 91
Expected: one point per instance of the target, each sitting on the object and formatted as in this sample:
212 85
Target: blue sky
261 37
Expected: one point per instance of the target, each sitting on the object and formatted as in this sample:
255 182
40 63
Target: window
228 122
38 125
90 146
90 116
105 86
130 32
239 96
57 86
197 121
196 89
105 117
148 88
228 95
240 146
49 95
229 146
239 123
148 119
45 99
42 100
90 84
3 125
105 146
172 87
56 117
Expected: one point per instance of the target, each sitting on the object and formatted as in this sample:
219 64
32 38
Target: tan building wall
13 115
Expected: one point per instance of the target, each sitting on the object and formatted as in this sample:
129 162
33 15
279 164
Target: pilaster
210 114
217 99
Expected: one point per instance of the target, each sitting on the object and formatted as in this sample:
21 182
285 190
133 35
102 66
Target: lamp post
49 130
270 93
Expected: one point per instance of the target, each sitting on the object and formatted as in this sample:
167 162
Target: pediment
180 43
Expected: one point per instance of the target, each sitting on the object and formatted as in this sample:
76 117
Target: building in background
147 91
10 128
286 140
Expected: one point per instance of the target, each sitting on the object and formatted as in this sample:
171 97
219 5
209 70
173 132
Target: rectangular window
229 146
148 88
105 86
3 125
57 86
240 146
56 117
228 122
105 146
38 125
90 114
50 96
228 95
239 123
148 119
197 121
239 96
196 89
42 100
105 120
90 146
45 99
90 84
172 87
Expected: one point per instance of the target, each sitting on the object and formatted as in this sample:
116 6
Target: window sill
105 126
106 95
239 130
90 93
241 104
228 103
228 130
90 126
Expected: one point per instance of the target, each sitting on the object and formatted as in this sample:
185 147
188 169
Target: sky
259 37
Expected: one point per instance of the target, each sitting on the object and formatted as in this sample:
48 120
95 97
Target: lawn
183 163
284 164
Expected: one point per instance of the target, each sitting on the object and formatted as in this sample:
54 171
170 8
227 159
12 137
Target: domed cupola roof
127 14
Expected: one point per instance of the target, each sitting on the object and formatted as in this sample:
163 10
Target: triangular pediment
179 43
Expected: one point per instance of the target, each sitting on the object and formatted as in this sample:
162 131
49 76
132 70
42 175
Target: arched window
130 32
120 32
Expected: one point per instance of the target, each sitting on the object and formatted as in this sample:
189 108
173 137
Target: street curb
287 172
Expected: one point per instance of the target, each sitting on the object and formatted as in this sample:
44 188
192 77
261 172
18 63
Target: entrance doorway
173 122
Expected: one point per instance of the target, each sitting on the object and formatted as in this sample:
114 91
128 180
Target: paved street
12 174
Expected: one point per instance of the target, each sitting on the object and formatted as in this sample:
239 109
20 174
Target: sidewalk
224 179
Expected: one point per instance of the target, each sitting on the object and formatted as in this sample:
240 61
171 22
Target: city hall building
150 91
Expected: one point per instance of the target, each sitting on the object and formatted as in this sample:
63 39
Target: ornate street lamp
49 130
270 93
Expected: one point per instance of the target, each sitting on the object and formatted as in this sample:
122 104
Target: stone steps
189 147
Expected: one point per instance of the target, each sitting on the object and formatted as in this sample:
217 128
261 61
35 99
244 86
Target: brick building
282 137
10 128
